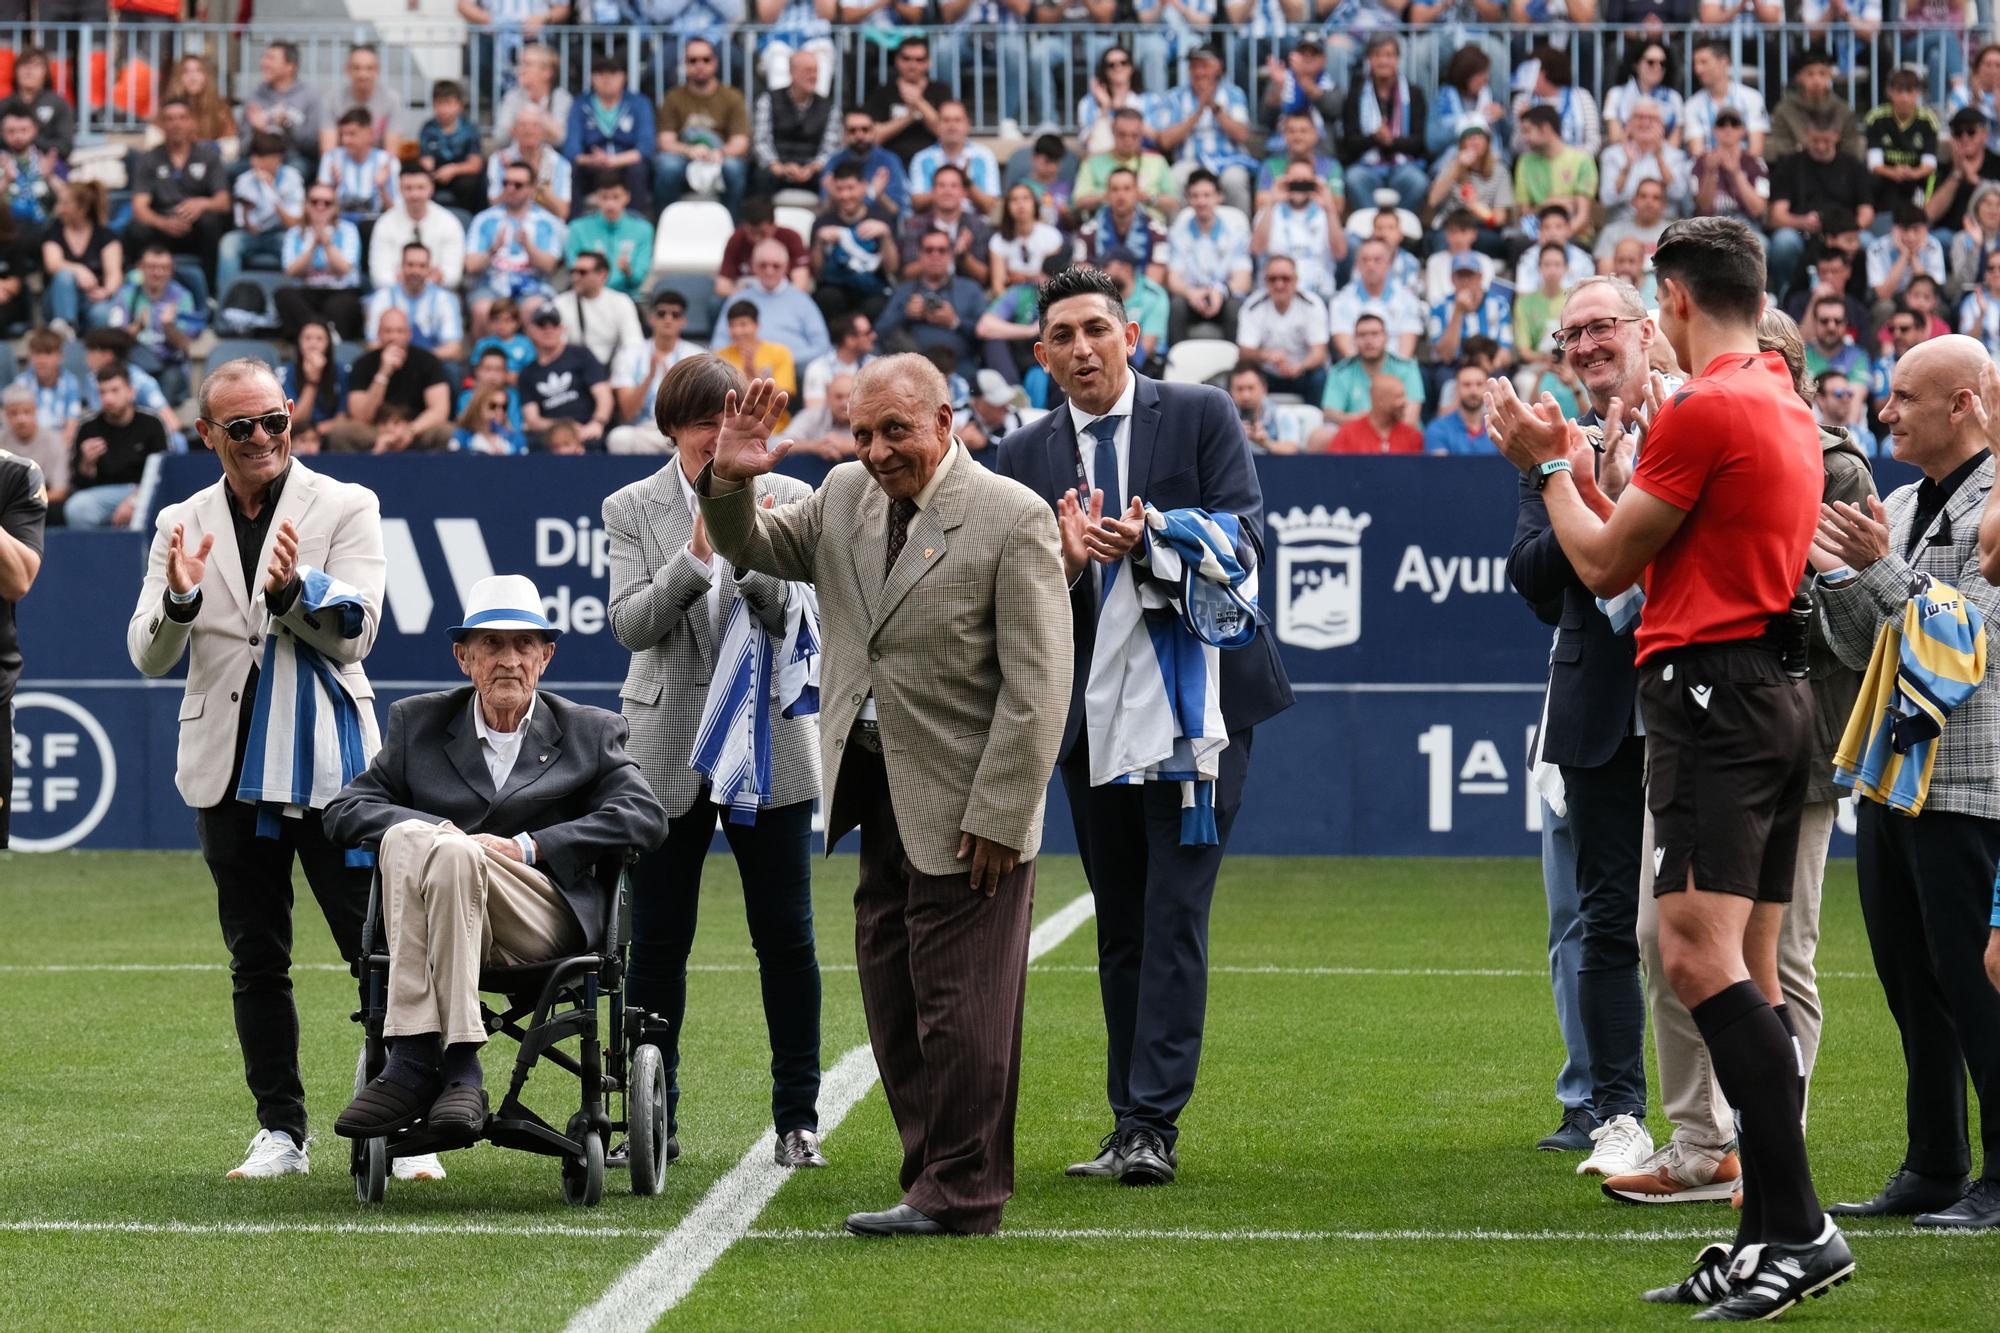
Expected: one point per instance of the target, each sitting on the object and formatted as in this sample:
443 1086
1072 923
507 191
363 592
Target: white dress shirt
500 750
1115 498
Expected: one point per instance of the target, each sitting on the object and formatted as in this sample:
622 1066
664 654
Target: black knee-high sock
1784 1013
1757 1067
413 1061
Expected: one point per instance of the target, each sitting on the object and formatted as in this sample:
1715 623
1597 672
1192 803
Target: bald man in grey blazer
945 682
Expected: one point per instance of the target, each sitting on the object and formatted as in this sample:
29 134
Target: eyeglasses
934 249
669 312
274 424
1653 60
1969 132
1597 331
1841 395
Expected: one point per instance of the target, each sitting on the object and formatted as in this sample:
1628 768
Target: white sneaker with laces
1622 1145
272 1153
424 1166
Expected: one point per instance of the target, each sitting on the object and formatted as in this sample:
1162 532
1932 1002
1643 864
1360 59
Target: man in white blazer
228 569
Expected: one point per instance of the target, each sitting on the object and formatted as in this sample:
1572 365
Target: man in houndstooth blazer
1927 882
671 597
945 682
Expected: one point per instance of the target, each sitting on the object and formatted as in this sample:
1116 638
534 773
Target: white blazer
340 531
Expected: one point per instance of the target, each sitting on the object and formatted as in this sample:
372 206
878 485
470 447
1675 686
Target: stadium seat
230 349
806 199
690 237
1308 417
1362 221
9 368
797 220
698 290
347 353
1199 360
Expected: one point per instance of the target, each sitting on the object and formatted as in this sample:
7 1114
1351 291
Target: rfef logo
65 773
1319 576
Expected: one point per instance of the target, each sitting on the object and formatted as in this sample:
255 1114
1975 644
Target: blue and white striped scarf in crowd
322 737
1153 701
732 747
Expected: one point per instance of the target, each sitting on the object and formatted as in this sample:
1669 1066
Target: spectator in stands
1730 181
934 306
882 172
1716 88
825 430
1649 70
1631 264
1052 177
1383 135
385 107
1828 346
512 247
315 382
1553 227
1537 310
1979 311
788 315
398 397
1972 164
638 382
1209 269
180 192
1643 155
905 109
1304 224
490 371
1346 395
107 347
26 437
758 225
1374 292
1840 400
1145 305
433 313
1268 430
1644 223
1905 329
1384 429
797 27
1461 235
1462 431
537 78
971 234
1205 123
1301 135
484 425
1848 27
1908 249
1473 310
83 263
267 200
1474 180
1299 84
1464 100
756 356
854 252
995 413
1011 325
1811 97
597 317
1902 136
194 82
1578 123
60 397
1805 188
1284 330
1115 86
1926 297
704 134
564 382
531 148
362 175
109 455
1386 226
975 162
853 348
1550 171
613 230
610 133
1023 242
1120 223
55 119
418 218
162 318
283 106
322 266
1158 192
448 148
1839 272
795 131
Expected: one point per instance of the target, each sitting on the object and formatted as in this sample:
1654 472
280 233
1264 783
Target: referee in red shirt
1717 520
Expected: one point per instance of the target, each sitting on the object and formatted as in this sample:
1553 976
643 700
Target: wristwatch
1544 471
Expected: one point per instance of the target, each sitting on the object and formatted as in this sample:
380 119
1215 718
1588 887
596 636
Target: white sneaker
1622 1146
424 1166
272 1153
1010 128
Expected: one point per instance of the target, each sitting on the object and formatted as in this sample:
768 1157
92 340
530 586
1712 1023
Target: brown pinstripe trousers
944 975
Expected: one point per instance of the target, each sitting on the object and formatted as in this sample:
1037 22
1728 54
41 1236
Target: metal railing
1035 75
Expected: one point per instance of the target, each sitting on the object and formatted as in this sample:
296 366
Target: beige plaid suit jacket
965 645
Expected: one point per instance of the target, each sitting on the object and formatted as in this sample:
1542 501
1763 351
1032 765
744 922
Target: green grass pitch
1359 1154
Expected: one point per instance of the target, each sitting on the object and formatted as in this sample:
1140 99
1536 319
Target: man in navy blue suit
1122 442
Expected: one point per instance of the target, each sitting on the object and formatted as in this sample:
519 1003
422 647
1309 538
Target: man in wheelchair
489 810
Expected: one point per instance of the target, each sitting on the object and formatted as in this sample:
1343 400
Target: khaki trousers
448 906
1689 1094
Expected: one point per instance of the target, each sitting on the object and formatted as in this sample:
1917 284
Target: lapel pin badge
928 553
541 759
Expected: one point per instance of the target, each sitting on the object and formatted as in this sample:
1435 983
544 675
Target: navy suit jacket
1593 681
1187 450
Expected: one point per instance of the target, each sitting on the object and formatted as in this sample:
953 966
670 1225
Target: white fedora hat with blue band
503 601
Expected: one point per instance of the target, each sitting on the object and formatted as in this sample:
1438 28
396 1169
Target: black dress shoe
902 1220
1572 1135
1146 1159
1105 1163
459 1112
620 1157
1906 1195
383 1107
1979 1209
798 1149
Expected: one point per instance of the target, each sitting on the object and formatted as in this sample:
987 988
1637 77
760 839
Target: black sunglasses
275 425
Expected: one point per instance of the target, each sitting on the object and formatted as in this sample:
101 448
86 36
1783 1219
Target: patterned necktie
900 514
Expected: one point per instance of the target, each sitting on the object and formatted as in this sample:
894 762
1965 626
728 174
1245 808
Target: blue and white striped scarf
331 736
1153 700
732 747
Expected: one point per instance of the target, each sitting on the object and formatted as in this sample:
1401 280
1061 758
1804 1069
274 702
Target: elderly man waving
491 809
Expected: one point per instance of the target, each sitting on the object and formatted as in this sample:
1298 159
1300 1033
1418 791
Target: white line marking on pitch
662 1279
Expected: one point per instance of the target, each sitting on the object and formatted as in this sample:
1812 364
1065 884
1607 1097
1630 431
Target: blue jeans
92 506
670 180
1784 254
1565 953
62 300
774 857
238 248
1410 181
1005 55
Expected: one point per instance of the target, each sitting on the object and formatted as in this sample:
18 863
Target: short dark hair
1910 214
694 390
1905 80
1251 368
1554 62
266 144
114 371
1553 210
16 111
668 296
1078 282
949 170
178 101
917 40
289 50
1128 113
1822 120
1721 263
607 64
740 310
1199 175
1813 55
603 261
490 350
1051 147
356 115
1837 219
157 248
118 342
416 245
447 90
1367 315
757 210
841 328
1715 46
1545 116
416 170
1461 219
848 170
1829 299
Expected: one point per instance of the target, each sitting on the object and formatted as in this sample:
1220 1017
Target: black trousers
1153 898
1607 817
253 896
1927 896
339 306
1181 317
9 676
774 857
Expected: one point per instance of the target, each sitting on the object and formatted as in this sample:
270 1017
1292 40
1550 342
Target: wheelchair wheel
646 1105
583 1179
371 1170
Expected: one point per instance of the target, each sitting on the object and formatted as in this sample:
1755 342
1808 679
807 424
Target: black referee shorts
1728 758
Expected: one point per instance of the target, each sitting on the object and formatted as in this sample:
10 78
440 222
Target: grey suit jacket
574 790
659 610
966 645
1966 780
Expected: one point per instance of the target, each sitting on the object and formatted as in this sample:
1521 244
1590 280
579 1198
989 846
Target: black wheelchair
623 1081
